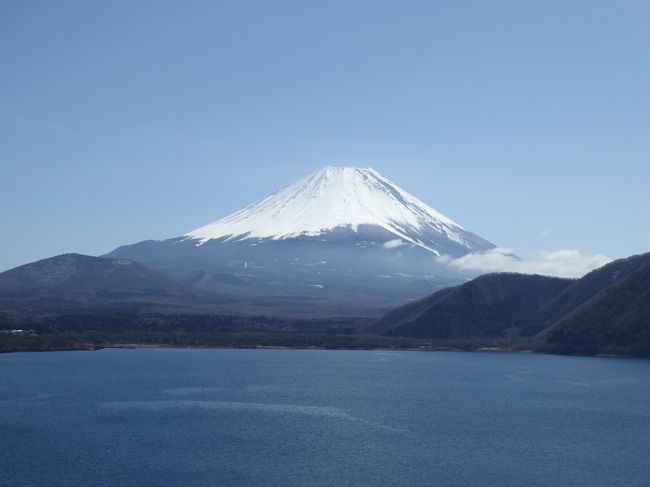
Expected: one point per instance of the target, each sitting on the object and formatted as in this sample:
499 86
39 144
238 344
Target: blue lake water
330 418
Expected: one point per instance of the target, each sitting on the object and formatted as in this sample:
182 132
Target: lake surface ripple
331 418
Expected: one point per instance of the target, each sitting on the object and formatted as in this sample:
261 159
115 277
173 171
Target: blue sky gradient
526 122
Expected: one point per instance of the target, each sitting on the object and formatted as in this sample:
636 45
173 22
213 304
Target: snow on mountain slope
340 197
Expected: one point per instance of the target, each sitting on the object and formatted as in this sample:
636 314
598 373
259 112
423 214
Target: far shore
103 346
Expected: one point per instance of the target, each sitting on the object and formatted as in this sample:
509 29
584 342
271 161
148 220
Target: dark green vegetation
40 343
75 301
89 340
108 329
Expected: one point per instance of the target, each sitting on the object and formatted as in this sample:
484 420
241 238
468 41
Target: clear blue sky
528 122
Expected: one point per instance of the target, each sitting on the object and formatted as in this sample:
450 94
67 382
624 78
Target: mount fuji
340 240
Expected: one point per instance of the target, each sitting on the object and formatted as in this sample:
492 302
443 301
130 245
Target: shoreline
88 340
135 346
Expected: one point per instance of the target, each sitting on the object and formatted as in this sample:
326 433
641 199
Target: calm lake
330 418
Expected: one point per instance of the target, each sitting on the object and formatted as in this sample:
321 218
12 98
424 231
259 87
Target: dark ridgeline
605 312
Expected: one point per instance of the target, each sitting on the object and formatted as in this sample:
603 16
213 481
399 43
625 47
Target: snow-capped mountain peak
340 198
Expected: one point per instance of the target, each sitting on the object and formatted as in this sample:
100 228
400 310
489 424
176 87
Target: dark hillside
489 306
614 321
581 291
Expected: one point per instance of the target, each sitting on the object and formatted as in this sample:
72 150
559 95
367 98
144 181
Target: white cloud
393 244
561 263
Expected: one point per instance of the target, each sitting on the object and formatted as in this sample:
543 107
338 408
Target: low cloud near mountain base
560 263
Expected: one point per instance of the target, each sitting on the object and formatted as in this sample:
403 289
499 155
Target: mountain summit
344 198
340 240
